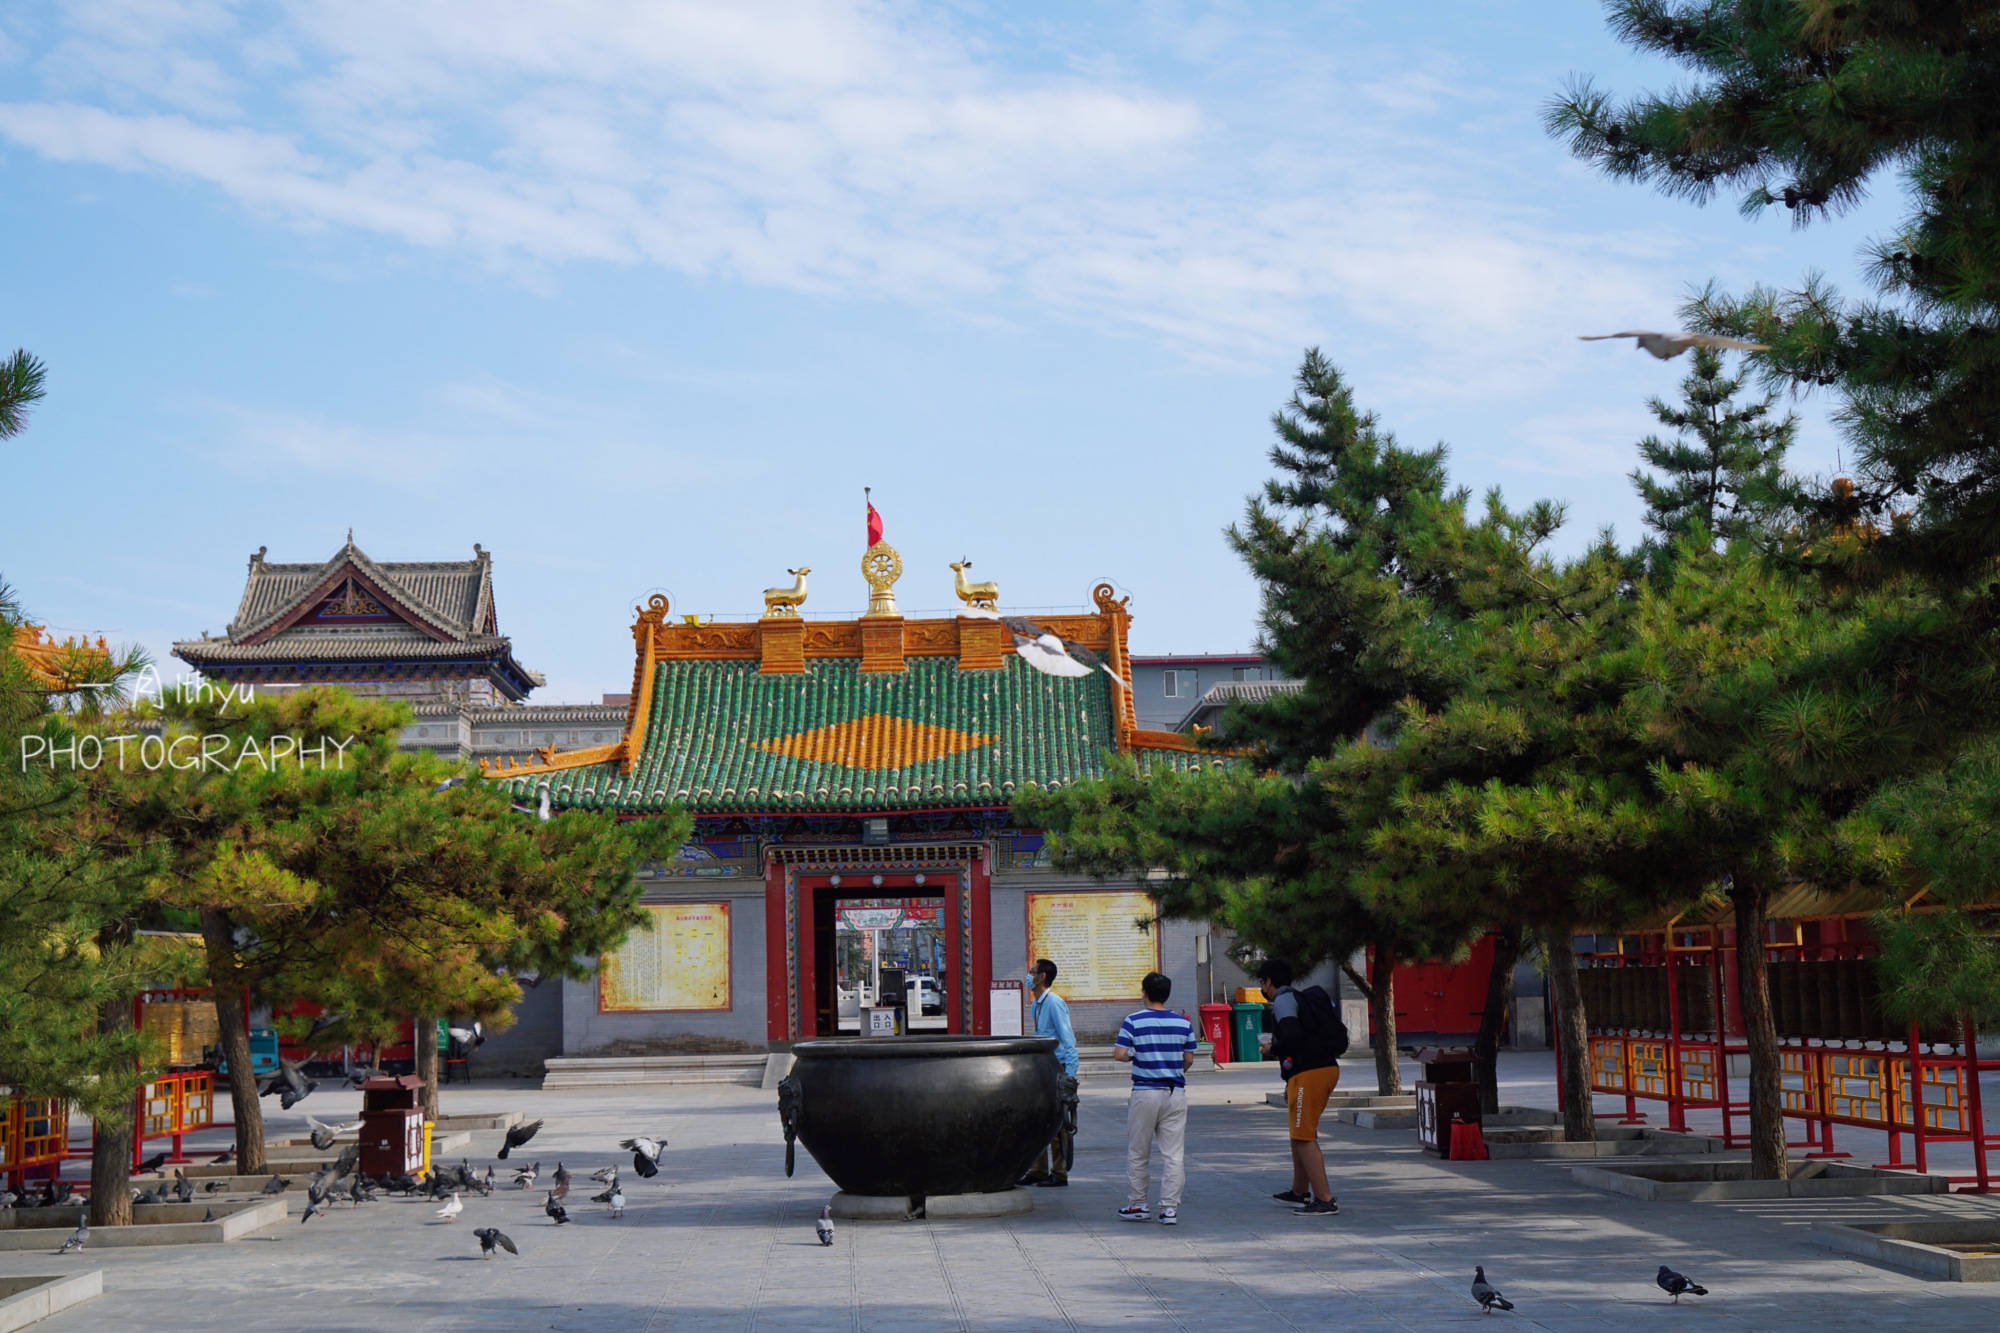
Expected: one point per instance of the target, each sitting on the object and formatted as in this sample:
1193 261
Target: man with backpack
1307 1046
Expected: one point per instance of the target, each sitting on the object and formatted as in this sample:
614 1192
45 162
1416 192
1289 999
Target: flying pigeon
321 1024
645 1154
348 1159
491 1238
360 1074
1486 1293
323 1135
471 1038
289 1082
276 1185
525 1177
1678 1284
517 1136
1669 345
823 1225
314 1207
557 1213
451 1210
77 1238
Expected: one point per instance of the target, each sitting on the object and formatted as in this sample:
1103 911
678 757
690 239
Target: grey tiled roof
345 646
454 597
1222 694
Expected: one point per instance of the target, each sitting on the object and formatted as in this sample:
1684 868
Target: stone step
603 1071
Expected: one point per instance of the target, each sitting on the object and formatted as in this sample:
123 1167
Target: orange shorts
1305 1098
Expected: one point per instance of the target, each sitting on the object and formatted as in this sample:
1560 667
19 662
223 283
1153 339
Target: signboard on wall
1095 941
680 962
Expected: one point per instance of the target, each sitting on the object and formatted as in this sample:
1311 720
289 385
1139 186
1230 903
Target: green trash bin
1249 1023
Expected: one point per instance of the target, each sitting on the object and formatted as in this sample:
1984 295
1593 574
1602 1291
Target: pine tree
1722 472
21 386
1807 105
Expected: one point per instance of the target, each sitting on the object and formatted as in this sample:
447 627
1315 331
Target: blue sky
640 295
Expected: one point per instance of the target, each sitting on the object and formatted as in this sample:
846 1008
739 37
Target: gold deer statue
979 596
786 601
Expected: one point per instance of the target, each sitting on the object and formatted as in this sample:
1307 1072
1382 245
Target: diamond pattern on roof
879 740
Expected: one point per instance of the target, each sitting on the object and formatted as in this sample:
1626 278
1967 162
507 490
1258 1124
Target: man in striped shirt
1159 1045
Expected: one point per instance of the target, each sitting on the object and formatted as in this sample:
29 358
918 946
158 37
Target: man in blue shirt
1051 1017
1159 1045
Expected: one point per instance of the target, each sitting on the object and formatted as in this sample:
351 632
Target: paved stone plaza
721 1240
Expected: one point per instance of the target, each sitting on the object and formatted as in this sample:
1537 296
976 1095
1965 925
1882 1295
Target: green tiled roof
723 738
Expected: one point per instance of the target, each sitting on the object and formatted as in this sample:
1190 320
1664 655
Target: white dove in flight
1666 346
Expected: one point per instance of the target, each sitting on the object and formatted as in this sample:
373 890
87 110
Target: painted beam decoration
681 962
1096 940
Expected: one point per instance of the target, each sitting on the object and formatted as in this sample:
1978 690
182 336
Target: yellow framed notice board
680 960
1095 941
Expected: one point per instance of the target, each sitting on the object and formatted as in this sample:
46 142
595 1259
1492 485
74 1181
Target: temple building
850 782
424 632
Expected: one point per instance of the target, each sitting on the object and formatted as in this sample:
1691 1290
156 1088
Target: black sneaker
1314 1208
1292 1196
1032 1180
1053 1182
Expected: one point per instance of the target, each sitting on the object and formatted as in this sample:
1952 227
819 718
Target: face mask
1030 978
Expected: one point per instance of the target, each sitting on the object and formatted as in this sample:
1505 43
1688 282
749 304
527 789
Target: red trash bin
1215 1026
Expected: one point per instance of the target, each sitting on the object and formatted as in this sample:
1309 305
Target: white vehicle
923 996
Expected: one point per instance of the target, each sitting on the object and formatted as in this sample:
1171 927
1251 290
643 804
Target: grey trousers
1156 1119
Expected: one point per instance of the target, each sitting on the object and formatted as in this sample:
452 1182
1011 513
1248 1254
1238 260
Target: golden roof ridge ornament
976 596
881 565
787 601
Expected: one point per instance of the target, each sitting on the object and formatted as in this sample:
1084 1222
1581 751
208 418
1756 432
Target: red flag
874 526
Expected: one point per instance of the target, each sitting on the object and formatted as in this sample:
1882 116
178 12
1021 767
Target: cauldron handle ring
790 1104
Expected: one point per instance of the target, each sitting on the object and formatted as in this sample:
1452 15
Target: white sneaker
1135 1212
1170 1216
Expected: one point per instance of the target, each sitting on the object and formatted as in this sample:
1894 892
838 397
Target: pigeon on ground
276 1185
489 1178
605 1175
215 1187
314 1207
77 1238
225 1156
525 1176
8 1198
1678 1284
557 1213
617 1200
323 1135
208 1214
491 1238
154 1163
1669 345
451 1210
645 1154
561 1191
182 1189
143 1197
320 1186
823 1225
517 1136
358 1192
1486 1293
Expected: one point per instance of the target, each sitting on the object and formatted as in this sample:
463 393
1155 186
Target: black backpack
1324 1035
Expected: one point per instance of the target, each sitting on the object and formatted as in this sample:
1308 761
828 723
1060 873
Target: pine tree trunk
1382 1015
1572 1040
1493 1019
1760 1032
425 1039
219 938
111 1145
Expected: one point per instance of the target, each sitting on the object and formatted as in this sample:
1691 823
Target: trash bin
1444 1093
392 1125
1249 1025
1215 1028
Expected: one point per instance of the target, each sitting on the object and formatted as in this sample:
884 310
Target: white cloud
861 149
